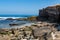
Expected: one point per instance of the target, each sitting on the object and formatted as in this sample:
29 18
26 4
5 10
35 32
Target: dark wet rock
13 24
9 19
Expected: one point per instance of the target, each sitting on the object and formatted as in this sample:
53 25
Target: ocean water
5 23
16 15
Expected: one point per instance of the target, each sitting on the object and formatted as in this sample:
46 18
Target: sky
24 7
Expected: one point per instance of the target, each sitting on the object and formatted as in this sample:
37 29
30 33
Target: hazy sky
24 7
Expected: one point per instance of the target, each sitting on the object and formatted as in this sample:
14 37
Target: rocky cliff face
51 13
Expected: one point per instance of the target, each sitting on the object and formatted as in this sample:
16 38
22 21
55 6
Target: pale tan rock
4 37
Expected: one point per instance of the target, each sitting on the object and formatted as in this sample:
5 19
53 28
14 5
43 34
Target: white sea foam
3 18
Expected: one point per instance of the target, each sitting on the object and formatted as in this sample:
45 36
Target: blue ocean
5 23
16 15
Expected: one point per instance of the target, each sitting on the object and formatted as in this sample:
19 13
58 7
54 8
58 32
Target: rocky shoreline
32 32
44 27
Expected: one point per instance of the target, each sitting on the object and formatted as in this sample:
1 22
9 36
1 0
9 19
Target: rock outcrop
51 13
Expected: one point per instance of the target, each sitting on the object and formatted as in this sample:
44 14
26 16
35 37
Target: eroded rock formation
51 13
